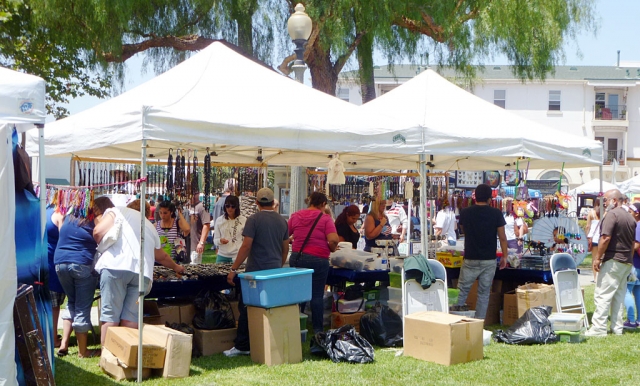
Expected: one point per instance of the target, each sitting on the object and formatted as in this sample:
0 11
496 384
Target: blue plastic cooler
276 287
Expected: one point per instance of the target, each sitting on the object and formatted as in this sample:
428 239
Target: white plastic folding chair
567 285
435 298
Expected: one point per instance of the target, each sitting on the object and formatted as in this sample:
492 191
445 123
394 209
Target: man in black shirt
482 225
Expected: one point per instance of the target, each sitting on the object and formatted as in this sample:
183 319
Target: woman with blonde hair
376 224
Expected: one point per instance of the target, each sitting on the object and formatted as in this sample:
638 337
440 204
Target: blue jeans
320 268
484 271
632 298
79 283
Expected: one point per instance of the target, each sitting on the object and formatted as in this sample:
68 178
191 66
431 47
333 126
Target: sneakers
630 325
595 334
234 352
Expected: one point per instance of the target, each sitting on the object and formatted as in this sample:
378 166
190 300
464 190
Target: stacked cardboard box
274 334
166 351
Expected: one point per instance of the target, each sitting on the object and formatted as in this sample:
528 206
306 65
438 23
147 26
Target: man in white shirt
397 219
446 224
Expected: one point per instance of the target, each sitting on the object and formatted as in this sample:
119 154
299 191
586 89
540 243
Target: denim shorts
79 284
119 295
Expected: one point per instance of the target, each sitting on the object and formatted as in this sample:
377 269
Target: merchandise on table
535 262
193 272
395 280
353 259
396 264
449 260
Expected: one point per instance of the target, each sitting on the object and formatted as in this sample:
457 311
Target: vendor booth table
338 277
519 276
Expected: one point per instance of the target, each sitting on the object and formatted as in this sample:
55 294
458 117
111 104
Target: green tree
24 46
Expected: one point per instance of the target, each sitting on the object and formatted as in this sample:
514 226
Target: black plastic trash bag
213 311
533 327
344 344
382 326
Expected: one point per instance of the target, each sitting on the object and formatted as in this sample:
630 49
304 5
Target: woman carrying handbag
314 238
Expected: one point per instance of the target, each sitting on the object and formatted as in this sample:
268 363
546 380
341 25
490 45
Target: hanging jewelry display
195 189
207 181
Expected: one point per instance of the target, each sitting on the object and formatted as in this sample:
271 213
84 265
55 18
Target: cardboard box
510 308
177 359
109 364
123 343
211 342
443 338
449 260
236 310
169 313
151 312
187 312
339 320
274 334
535 294
495 301
177 312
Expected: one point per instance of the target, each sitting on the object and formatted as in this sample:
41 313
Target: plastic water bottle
384 263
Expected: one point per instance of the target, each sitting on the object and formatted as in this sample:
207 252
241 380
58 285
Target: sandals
63 353
91 353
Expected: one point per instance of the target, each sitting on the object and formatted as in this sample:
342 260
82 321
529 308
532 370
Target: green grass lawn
599 361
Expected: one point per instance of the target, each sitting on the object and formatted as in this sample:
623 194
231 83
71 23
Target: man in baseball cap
265 246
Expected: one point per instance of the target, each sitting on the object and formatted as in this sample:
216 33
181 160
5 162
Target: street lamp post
299 27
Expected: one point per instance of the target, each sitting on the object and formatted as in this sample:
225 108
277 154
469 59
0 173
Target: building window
554 100
499 98
343 93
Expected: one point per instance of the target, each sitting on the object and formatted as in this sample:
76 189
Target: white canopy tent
21 105
593 187
630 186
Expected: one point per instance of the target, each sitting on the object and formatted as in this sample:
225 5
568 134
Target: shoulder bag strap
310 231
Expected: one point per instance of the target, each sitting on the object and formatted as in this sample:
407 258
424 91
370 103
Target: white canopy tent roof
21 104
592 186
630 186
464 132
221 100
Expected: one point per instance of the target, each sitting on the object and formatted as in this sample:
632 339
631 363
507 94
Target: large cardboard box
443 338
339 320
177 359
151 313
177 312
533 295
109 364
211 342
274 334
169 313
123 343
510 308
495 302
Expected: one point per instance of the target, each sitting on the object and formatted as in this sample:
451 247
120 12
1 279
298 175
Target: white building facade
594 101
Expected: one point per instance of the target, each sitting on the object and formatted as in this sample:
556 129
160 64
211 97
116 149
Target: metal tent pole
141 288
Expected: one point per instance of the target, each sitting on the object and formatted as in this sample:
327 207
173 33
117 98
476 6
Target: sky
618 29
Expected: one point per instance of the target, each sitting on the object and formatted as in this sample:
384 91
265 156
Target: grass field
601 361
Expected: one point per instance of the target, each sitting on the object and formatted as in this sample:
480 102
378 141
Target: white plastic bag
113 234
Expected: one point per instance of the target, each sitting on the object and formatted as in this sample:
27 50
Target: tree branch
342 60
419 27
180 43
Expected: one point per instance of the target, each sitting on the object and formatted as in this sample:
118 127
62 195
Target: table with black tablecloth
188 288
520 276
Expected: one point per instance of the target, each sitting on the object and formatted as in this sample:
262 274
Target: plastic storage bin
395 280
303 321
566 321
395 293
372 294
572 336
351 306
303 335
273 287
395 265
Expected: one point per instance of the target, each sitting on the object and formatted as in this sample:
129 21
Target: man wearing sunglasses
613 261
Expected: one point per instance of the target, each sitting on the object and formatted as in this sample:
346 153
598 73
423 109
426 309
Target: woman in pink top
314 253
